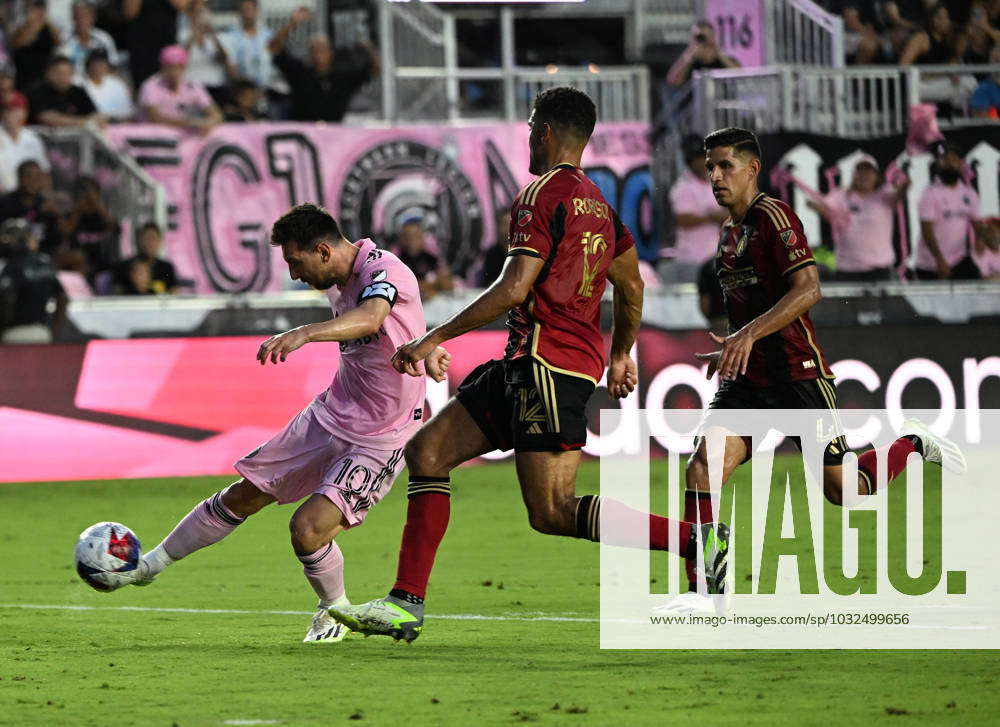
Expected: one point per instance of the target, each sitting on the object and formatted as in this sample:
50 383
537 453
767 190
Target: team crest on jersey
788 237
378 275
523 217
741 243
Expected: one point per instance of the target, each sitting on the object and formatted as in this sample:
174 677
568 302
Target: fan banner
225 190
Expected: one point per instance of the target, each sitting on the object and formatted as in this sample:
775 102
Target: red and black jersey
753 262
562 218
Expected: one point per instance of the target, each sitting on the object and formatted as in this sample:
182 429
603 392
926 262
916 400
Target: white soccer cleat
688 602
143 574
324 629
939 450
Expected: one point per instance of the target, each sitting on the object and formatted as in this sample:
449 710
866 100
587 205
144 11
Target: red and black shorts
811 394
523 405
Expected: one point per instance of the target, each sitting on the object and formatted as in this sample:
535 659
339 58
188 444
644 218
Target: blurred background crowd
194 64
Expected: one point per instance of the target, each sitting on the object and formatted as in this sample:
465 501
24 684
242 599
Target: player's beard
534 161
325 284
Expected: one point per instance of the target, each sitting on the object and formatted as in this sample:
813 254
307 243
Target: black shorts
523 405
811 394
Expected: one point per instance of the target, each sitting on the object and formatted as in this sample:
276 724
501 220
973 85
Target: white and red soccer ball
107 555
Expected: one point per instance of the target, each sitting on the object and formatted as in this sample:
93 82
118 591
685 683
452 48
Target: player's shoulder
774 214
379 264
552 187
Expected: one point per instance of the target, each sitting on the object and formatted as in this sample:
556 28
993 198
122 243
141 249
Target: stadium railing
801 32
422 79
671 308
855 102
132 196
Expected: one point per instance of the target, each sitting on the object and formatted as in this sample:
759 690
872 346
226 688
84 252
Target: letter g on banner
217 163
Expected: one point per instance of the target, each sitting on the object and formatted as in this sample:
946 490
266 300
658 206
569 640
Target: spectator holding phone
702 53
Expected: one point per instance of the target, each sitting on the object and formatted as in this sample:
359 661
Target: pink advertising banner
739 29
193 406
225 190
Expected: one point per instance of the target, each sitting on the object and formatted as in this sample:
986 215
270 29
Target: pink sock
209 522
324 570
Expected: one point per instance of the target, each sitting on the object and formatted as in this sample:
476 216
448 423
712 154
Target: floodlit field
512 635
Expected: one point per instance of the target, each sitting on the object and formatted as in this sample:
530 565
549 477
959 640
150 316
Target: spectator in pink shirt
949 212
861 217
169 98
697 216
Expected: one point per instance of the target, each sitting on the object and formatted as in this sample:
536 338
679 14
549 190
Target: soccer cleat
380 617
939 450
689 602
713 539
325 629
143 575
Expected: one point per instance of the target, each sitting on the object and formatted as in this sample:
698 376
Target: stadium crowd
72 63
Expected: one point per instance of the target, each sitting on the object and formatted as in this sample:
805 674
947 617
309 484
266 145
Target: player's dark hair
151 226
742 140
566 109
306 225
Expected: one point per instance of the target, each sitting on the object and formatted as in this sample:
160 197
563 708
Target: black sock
406 596
588 518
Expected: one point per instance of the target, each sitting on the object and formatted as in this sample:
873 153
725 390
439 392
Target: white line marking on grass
252 721
150 609
443 616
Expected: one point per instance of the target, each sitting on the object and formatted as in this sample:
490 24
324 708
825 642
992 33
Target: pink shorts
305 458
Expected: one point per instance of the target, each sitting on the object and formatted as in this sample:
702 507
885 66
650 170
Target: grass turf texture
154 668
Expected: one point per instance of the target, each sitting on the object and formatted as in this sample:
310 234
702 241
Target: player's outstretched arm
355 323
627 306
509 290
803 294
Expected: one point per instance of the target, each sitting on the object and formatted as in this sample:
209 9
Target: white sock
342 601
157 559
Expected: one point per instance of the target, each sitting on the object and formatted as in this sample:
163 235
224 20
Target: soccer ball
107 555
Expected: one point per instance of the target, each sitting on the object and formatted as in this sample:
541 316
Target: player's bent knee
423 458
834 494
307 536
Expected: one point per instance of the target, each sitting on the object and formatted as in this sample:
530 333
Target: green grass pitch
129 667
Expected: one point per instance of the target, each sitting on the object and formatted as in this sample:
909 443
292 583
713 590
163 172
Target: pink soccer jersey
189 101
369 402
866 242
951 210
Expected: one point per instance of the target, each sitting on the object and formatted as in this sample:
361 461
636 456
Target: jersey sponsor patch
733 279
382 289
